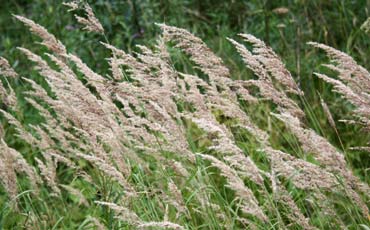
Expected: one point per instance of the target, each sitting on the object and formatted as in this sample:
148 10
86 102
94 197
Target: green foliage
128 23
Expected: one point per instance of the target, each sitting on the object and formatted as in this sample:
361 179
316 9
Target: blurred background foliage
286 25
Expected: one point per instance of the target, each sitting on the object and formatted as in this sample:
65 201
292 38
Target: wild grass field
186 114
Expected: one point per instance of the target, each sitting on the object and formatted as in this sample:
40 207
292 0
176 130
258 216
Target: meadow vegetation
184 115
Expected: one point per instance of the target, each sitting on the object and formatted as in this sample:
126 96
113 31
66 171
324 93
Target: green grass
128 23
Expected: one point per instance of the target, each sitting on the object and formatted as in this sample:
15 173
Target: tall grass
150 145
